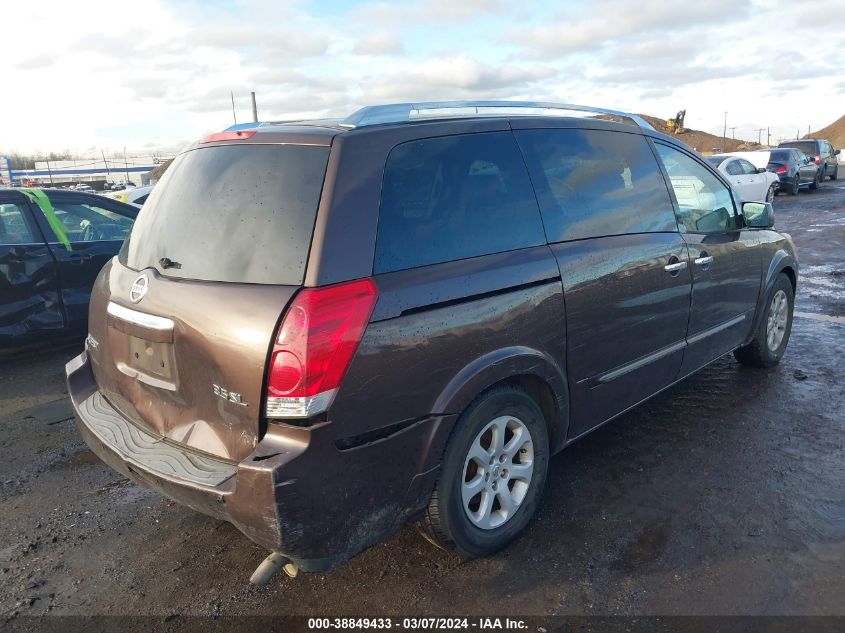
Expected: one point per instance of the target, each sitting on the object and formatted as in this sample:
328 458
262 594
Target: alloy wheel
776 322
497 472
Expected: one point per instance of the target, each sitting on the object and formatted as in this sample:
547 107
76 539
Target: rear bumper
297 493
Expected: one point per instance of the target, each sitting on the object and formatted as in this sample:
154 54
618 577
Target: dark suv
820 152
322 331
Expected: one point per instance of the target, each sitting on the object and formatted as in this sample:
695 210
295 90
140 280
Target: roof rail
405 112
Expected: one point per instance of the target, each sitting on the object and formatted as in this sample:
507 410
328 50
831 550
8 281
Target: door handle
704 261
78 259
675 267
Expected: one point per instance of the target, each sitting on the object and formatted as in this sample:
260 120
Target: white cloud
425 11
589 27
159 72
379 43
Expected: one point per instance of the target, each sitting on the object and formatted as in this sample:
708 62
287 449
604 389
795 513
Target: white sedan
754 184
134 195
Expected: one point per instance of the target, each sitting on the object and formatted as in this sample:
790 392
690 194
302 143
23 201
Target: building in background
95 172
5 172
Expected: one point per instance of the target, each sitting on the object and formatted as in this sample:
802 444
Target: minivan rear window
234 213
808 147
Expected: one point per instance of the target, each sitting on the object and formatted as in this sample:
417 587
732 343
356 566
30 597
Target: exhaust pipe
270 566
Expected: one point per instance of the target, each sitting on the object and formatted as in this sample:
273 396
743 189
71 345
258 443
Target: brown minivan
321 331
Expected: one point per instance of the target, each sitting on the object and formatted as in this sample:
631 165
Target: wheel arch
781 262
529 369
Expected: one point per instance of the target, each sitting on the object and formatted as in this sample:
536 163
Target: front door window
705 203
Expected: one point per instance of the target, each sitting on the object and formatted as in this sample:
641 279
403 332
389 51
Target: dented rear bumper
297 493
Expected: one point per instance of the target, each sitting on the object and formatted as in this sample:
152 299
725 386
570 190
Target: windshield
715 160
237 213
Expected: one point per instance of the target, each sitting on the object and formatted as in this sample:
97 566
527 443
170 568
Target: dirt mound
702 141
158 172
835 133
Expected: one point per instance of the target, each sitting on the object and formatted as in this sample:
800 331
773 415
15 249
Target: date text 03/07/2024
422 623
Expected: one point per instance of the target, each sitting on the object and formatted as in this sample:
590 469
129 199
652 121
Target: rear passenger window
593 183
455 197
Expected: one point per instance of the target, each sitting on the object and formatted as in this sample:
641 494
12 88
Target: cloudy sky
155 74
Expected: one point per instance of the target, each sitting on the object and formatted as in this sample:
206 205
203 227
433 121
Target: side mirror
761 170
758 215
837 152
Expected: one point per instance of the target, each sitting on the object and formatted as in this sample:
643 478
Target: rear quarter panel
442 334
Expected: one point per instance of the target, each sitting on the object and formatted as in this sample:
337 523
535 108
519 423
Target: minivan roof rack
407 112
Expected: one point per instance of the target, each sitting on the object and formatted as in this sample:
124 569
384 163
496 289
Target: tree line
27 161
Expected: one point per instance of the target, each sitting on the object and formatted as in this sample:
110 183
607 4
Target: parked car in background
378 333
820 152
794 170
758 158
83 188
45 283
752 183
133 195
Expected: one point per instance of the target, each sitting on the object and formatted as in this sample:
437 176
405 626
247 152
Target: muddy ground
724 495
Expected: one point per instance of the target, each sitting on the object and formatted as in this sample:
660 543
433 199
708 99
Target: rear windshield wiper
166 262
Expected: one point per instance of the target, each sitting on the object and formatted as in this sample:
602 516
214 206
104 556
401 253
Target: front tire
772 335
770 194
492 475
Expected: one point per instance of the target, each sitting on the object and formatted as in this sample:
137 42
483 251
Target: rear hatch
778 161
809 148
182 321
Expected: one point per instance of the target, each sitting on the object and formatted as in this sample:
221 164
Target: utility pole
234 116
126 165
254 108
733 132
725 132
759 135
769 136
49 171
106 163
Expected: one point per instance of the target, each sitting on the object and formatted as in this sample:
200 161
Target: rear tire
772 335
835 174
816 181
492 474
796 186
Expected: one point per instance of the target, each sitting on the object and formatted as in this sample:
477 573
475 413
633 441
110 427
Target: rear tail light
781 169
818 159
314 346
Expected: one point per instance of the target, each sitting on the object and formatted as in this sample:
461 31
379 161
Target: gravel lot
723 495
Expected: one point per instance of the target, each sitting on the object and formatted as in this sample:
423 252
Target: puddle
82 458
646 548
